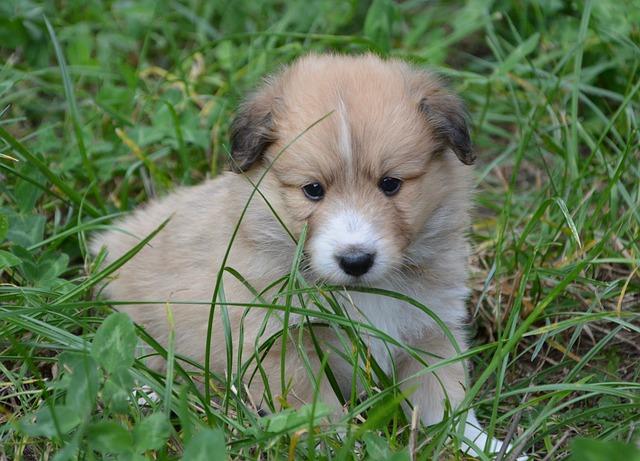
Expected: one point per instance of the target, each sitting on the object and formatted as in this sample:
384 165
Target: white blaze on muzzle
347 248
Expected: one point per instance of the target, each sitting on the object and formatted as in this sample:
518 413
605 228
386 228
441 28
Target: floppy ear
252 130
448 119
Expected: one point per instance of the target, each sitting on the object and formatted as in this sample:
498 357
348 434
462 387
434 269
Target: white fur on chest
403 321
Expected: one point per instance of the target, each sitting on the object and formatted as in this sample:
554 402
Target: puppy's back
182 257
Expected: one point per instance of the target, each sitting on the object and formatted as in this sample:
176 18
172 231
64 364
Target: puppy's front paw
477 441
493 447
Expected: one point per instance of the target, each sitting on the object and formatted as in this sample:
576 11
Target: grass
106 104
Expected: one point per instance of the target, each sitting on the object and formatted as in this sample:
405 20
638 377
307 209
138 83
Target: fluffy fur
381 119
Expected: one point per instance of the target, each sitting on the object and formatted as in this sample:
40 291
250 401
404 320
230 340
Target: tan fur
373 128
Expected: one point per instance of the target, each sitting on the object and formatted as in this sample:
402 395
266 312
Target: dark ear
448 120
252 130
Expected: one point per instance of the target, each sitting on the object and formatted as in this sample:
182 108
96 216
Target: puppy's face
363 151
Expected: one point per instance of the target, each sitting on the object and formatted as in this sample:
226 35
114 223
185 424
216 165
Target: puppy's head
371 154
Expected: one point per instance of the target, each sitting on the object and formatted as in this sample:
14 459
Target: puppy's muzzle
356 262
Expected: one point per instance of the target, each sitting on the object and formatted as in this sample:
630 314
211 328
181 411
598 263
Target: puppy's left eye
390 186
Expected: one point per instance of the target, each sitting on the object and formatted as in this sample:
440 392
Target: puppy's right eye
390 186
313 191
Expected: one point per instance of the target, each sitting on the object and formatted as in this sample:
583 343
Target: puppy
371 158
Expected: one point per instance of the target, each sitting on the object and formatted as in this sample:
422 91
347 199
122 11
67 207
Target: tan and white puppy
373 156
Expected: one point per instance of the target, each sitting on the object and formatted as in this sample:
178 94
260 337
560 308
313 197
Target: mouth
334 274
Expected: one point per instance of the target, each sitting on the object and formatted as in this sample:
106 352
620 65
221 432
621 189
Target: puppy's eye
313 191
389 186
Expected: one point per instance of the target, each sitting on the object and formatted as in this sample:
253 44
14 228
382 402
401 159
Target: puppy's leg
304 381
432 391
478 437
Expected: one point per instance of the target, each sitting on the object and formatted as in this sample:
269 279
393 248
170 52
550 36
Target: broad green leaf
378 449
5 86
25 230
206 445
49 422
26 192
82 387
152 432
597 450
69 452
109 437
292 419
79 43
8 259
117 390
46 268
115 342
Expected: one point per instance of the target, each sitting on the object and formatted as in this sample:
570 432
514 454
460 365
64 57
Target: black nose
356 263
